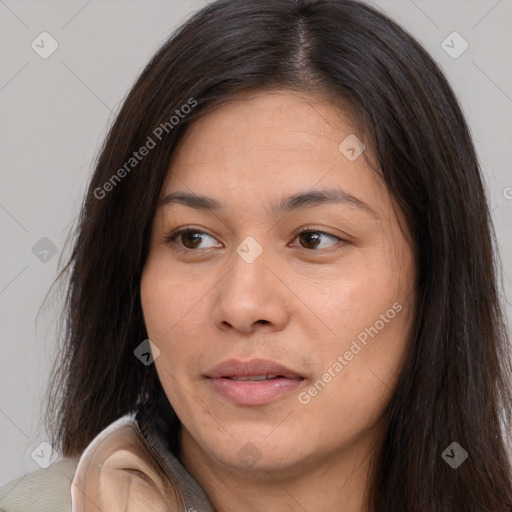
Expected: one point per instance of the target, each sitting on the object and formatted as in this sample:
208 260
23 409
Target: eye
187 239
311 239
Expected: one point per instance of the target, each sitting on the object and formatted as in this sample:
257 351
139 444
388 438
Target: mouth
256 378
253 382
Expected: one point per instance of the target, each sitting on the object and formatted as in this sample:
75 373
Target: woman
283 289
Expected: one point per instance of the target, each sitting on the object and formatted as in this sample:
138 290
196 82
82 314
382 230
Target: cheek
369 315
356 297
164 298
162 312
174 318
157 304
358 373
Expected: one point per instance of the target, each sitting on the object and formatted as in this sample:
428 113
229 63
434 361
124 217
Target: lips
253 378
253 382
252 368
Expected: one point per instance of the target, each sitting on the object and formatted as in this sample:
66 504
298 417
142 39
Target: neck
336 482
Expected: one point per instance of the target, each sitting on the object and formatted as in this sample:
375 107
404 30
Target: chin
258 452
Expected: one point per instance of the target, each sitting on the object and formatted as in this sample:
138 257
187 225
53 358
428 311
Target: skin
205 304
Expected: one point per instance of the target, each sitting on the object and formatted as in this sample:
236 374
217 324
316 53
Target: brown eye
188 239
312 239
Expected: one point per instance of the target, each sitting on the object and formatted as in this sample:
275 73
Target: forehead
276 122
270 143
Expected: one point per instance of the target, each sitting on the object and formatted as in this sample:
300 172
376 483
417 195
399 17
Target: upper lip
236 368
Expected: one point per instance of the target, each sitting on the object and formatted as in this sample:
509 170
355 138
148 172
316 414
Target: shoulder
119 467
45 490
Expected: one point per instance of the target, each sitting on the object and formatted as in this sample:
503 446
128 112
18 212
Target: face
282 313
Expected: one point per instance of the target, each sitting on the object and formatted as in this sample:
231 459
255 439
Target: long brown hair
455 385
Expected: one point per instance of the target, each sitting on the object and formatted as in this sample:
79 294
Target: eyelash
170 239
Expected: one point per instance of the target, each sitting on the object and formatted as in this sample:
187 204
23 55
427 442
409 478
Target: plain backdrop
54 113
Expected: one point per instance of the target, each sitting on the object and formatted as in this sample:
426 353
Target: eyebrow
279 208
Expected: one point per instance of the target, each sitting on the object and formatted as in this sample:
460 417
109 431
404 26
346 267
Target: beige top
120 471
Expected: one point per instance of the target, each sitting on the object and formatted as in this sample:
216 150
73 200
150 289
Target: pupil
189 236
311 238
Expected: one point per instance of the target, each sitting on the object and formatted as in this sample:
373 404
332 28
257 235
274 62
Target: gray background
54 114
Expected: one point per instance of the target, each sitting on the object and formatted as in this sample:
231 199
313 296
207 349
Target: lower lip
244 392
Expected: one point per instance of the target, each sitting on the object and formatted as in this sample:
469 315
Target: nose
251 295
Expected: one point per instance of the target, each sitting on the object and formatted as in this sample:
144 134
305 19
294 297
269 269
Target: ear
118 473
